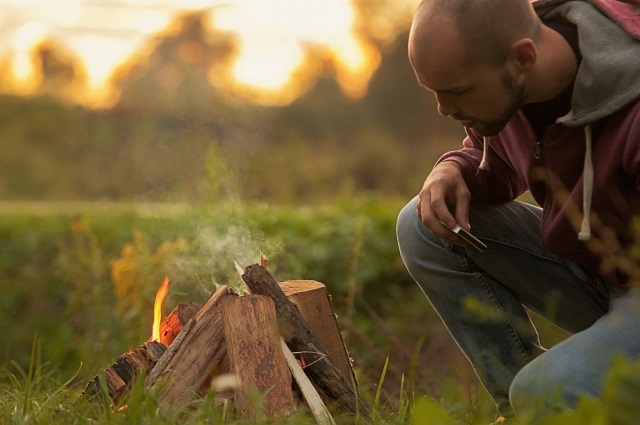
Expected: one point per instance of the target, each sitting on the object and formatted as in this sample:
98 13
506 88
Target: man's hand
444 201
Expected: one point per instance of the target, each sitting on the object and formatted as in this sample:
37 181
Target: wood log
176 320
306 387
256 358
198 352
334 388
120 375
314 304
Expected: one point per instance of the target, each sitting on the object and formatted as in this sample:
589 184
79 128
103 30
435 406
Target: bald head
485 29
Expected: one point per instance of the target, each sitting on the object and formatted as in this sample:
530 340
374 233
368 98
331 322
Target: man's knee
415 241
541 388
406 222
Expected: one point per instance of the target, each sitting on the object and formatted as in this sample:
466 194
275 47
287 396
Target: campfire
279 343
157 309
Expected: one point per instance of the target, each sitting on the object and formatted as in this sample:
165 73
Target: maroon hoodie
599 139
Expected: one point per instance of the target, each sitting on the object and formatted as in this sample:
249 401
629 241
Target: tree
61 73
173 75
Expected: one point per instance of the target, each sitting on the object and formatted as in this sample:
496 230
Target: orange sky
272 33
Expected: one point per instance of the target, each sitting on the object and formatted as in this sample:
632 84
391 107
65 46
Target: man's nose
446 108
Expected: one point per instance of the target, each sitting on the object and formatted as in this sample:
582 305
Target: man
548 94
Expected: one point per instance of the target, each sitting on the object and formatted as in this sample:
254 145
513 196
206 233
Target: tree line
174 135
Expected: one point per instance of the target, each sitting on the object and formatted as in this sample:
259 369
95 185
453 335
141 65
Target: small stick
311 396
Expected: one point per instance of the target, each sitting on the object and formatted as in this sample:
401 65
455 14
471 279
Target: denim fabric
481 296
576 367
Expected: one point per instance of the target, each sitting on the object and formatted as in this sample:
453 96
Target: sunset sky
103 33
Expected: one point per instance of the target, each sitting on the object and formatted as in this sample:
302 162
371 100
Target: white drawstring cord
587 188
485 149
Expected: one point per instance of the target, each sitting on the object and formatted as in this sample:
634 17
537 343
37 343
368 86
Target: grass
36 397
78 282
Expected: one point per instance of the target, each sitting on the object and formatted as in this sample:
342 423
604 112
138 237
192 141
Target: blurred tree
61 73
173 135
394 102
381 20
401 106
171 75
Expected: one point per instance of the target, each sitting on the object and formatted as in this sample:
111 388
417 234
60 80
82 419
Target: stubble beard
516 100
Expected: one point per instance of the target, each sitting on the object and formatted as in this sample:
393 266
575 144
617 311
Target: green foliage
85 276
622 392
429 412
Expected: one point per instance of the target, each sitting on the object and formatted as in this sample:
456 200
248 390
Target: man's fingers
430 218
444 201
442 213
462 208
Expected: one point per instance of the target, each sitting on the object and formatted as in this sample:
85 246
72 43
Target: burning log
176 320
194 355
333 387
256 357
120 375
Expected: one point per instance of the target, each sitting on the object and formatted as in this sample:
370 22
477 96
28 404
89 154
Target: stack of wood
269 350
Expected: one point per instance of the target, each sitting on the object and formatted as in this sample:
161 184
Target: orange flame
157 309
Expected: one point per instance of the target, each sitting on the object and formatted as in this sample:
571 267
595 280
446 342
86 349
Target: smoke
209 262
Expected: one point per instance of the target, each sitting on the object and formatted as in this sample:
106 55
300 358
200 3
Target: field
78 281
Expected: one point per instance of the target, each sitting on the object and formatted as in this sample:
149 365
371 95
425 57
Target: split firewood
176 320
120 375
194 356
256 359
314 304
333 387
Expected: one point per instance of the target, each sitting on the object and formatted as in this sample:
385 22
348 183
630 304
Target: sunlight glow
274 38
25 37
64 13
273 33
100 56
355 62
268 67
28 35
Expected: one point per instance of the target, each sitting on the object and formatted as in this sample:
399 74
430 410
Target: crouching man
549 95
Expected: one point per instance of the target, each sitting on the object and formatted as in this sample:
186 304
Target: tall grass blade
34 365
376 403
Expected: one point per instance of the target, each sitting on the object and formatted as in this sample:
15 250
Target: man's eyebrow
446 90
450 90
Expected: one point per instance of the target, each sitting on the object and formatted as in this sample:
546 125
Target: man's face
482 96
485 109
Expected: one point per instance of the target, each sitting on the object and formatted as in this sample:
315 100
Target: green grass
35 397
78 282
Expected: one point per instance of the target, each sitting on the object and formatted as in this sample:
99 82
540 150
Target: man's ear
523 55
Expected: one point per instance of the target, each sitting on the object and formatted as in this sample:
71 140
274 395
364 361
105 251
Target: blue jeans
481 298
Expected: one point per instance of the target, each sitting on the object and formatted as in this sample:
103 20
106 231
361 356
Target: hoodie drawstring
485 149
587 182
587 188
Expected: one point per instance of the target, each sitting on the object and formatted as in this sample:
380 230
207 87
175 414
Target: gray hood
608 77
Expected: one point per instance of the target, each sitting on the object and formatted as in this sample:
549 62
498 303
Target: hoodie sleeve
498 182
630 128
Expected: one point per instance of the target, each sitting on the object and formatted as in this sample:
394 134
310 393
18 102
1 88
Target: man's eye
457 92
